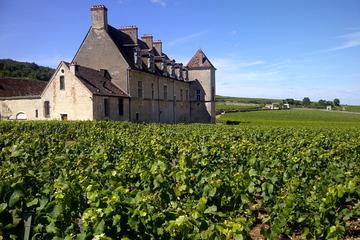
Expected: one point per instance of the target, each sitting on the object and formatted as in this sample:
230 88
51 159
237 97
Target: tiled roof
123 43
14 87
98 82
200 61
126 46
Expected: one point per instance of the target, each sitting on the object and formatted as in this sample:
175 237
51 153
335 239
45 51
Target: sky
261 48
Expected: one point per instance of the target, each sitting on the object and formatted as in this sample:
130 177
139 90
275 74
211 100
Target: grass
352 108
246 100
232 107
293 118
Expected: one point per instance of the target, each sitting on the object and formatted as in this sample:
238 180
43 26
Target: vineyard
109 180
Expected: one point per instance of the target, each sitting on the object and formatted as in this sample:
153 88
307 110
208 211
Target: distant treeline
16 69
306 102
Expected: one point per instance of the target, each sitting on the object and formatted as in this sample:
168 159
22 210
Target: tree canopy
306 101
336 102
16 69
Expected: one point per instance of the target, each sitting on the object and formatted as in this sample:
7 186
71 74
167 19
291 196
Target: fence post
27 216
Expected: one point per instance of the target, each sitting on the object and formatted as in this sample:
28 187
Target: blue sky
261 48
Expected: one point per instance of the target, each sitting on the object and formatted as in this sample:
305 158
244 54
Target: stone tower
201 72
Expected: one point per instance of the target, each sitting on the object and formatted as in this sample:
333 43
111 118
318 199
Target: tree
306 101
322 102
290 101
337 102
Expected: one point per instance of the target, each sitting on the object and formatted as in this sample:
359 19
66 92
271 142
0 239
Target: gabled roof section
124 43
200 61
15 87
98 82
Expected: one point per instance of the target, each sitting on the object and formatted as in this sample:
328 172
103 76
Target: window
140 89
36 113
152 91
47 109
198 95
62 82
121 106
212 94
106 107
187 95
181 95
165 92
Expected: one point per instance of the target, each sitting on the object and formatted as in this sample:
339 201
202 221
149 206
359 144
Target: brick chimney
99 17
132 31
158 46
148 39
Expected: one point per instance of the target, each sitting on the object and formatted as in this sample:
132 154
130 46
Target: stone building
115 75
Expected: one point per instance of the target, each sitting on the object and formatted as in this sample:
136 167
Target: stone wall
114 113
206 84
10 109
75 100
98 51
152 106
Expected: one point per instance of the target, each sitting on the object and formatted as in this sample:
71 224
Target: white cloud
159 2
185 39
349 41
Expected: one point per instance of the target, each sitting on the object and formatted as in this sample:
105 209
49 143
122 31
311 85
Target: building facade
115 75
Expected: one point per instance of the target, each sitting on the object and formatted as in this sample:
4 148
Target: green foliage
306 101
110 180
246 100
11 68
233 107
352 108
324 103
336 102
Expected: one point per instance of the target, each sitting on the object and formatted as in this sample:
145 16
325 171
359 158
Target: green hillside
16 69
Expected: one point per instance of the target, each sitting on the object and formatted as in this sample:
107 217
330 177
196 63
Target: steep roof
98 82
15 87
200 61
126 47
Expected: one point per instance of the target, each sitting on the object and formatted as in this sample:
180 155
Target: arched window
21 116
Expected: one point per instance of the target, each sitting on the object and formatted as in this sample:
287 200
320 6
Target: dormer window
137 58
181 73
151 63
172 70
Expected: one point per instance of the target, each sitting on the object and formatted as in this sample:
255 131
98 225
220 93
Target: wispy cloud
234 64
185 39
159 2
350 40
233 71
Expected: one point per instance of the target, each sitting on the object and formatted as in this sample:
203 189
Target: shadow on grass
232 122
